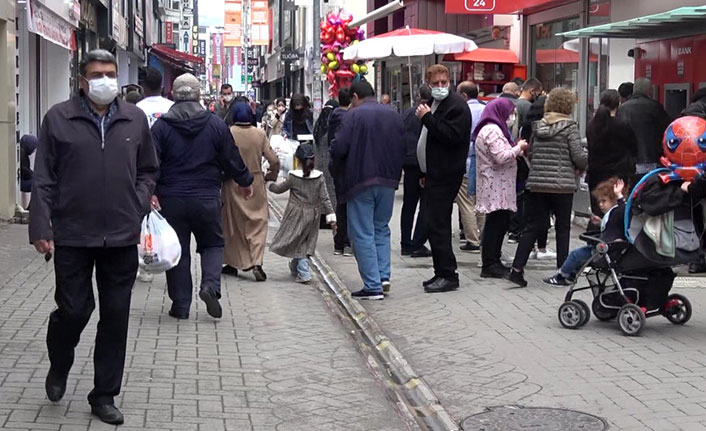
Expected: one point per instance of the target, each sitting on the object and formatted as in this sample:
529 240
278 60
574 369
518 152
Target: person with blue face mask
442 149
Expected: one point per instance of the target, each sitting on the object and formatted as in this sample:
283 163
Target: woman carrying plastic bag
159 248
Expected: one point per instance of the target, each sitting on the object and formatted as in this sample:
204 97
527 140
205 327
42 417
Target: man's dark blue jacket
370 147
196 153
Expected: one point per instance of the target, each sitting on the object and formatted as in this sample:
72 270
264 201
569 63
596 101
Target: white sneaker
546 255
347 252
144 276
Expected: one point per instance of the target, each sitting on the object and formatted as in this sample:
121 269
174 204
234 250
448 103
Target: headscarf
321 125
29 143
242 113
497 112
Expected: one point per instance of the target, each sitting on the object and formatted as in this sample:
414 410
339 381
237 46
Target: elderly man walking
442 151
94 175
370 149
195 149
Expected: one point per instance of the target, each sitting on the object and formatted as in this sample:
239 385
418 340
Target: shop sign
491 6
202 48
139 26
119 26
47 24
168 32
259 23
233 25
89 15
291 55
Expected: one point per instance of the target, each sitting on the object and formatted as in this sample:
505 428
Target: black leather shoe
229 270
442 285
213 307
55 385
495 271
697 267
259 273
108 413
406 251
180 316
517 277
422 252
430 281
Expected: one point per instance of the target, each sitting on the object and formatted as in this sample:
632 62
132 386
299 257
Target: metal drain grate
518 418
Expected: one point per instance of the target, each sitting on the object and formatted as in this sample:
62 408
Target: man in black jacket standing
648 120
94 175
442 150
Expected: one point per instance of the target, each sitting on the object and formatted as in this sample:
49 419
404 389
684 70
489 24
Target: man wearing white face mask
225 103
95 172
442 150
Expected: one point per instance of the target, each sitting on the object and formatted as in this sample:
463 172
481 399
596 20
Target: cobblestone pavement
490 344
279 359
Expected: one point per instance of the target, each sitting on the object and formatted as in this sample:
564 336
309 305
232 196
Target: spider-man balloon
684 145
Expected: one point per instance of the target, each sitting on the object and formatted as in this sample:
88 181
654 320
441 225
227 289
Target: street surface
278 359
491 344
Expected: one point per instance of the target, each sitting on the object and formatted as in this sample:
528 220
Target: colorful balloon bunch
336 36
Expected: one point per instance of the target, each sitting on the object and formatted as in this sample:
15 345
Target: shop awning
485 55
551 56
683 21
174 55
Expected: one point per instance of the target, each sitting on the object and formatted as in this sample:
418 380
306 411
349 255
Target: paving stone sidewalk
278 359
491 344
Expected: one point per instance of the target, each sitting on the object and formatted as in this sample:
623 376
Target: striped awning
683 21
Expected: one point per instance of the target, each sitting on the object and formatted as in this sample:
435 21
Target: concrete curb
411 393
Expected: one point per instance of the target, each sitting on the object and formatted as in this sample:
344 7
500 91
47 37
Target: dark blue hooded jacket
196 153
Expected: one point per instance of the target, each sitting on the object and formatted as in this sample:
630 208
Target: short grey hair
97 55
511 88
643 86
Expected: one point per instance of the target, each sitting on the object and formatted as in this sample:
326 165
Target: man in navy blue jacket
196 153
371 149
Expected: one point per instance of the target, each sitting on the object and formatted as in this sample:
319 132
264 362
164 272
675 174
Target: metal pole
246 40
411 86
317 95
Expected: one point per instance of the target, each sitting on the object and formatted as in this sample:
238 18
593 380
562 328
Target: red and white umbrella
408 42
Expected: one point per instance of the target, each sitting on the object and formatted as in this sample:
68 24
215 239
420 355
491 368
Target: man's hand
246 192
685 186
43 246
422 110
422 182
154 203
334 228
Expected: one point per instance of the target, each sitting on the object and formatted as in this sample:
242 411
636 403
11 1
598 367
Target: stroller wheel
586 311
631 319
603 314
571 315
677 309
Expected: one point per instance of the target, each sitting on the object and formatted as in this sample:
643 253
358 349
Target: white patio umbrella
408 42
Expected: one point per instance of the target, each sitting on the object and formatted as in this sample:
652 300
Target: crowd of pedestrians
511 165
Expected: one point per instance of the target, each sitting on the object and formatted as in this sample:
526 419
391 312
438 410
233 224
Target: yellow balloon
355 41
333 65
323 68
331 56
363 69
355 68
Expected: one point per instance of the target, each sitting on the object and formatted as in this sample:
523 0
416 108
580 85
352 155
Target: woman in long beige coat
245 221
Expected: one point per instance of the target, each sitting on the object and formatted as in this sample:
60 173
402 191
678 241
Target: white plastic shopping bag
284 149
159 248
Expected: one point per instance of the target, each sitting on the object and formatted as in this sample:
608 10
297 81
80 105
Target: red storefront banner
233 24
169 32
259 23
218 51
492 6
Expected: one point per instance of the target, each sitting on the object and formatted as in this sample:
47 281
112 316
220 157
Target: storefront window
556 65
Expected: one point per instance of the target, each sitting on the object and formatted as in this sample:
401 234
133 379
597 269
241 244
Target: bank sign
491 6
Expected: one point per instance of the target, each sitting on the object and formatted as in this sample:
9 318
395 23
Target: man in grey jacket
94 176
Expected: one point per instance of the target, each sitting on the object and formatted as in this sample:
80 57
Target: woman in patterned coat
496 174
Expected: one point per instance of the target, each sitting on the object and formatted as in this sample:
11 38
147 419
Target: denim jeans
575 261
301 264
369 214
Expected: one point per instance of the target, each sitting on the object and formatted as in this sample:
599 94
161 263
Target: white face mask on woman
511 121
102 91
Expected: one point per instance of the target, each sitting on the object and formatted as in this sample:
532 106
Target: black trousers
116 269
340 240
496 226
542 204
439 208
413 195
202 217
518 222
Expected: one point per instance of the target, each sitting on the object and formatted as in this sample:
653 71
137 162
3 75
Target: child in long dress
308 199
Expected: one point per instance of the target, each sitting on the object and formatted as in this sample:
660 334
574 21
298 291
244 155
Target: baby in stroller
609 195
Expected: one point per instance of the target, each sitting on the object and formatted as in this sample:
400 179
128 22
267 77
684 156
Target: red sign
169 32
492 6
